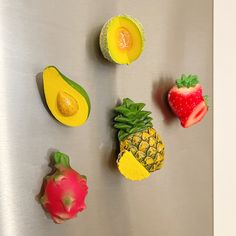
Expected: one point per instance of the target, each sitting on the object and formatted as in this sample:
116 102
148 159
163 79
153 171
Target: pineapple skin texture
147 147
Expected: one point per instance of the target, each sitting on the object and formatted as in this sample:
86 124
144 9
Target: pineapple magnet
187 102
141 148
64 190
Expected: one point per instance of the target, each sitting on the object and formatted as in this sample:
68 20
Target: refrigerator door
175 201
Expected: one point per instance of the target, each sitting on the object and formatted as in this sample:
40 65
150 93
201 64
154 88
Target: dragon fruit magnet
187 102
64 190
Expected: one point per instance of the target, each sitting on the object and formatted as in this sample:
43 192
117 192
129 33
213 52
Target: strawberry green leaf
206 99
187 81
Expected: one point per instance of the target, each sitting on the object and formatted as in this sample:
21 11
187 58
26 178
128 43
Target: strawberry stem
61 159
187 81
206 99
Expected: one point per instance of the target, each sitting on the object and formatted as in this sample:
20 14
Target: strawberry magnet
186 100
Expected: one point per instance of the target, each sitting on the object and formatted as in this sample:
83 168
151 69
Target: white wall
225 117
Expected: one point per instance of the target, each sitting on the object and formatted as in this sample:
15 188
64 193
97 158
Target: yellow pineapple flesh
130 167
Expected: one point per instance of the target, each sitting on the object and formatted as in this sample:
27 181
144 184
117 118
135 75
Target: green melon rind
103 41
76 86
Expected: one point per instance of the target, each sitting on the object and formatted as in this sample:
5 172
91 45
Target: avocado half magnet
68 102
122 39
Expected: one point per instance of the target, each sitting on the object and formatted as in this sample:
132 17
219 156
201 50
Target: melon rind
103 41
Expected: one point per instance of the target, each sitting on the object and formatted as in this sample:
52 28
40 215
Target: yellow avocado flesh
125 40
130 167
65 103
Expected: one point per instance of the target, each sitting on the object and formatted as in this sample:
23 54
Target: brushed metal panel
177 201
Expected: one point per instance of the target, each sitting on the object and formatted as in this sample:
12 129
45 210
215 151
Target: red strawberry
64 191
186 100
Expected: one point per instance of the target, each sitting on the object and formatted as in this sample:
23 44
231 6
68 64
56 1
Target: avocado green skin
103 40
76 87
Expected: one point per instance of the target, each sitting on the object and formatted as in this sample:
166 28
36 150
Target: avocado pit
66 104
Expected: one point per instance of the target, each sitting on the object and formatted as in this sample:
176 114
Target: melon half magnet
68 102
187 102
122 39
141 148
64 191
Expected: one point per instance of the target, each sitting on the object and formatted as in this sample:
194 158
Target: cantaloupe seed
124 39
126 35
67 105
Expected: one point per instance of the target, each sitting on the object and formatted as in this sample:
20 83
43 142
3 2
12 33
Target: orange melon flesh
125 40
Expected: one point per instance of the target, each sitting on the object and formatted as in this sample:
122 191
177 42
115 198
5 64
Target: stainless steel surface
176 201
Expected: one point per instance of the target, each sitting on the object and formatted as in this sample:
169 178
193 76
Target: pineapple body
147 147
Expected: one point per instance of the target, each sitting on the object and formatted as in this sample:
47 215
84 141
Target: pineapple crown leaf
187 81
131 118
61 159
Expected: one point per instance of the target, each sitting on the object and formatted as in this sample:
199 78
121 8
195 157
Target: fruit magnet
64 191
68 102
122 39
141 148
187 102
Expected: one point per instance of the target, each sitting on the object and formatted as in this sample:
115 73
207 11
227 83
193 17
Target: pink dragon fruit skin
64 191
